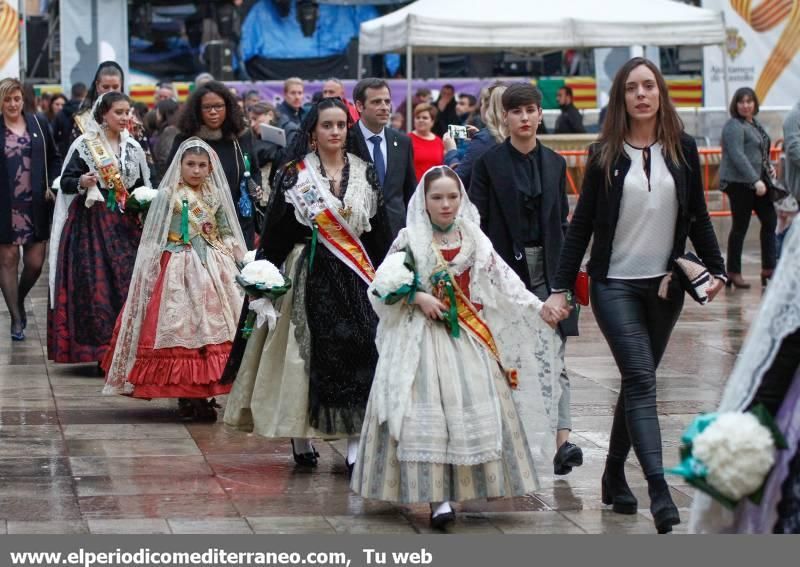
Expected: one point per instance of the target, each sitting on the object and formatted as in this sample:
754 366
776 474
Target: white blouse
645 231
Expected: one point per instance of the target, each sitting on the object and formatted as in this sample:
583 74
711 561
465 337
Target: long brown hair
617 123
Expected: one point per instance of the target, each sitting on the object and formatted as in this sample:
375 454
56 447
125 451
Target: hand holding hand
430 306
761 188
555 309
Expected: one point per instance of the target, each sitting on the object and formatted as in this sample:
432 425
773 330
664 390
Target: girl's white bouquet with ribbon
264 283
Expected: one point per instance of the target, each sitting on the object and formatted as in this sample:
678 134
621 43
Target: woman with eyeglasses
213 114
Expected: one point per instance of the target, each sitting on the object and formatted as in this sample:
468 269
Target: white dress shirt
367 133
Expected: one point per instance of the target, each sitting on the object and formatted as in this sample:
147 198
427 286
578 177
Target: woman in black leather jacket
642 197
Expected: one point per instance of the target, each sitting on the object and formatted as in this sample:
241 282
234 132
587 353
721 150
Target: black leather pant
636 324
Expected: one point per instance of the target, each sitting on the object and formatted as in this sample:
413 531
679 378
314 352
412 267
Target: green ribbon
185 221
246 159
313 253
451 317
447 229
249 323
111 200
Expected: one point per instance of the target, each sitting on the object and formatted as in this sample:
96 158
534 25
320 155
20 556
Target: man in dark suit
389 150
518 187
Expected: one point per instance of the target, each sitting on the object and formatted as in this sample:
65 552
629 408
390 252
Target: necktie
377 158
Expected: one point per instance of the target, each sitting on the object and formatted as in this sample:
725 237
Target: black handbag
775 189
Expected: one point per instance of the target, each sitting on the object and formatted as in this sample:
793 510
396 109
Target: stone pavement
74 461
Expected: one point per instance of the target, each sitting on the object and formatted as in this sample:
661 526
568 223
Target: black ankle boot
665 513
615 489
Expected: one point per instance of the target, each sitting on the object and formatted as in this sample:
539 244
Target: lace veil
148 264
524 340
778 317
131 151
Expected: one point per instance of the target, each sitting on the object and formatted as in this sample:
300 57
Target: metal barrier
708 156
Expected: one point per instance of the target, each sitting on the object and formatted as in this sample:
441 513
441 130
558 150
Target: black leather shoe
665 513
618 494
350 467
440 521
310 459
568 455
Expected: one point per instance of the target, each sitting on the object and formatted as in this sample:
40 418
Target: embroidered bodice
207 224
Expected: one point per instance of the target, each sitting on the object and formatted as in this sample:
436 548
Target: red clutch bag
582 287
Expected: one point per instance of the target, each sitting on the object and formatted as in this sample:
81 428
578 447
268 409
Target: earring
313 144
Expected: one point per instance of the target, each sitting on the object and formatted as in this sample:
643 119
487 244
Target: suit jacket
597 212
401 180
493 192
44 168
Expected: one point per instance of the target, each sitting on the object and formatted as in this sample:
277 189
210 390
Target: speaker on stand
218 56
37 40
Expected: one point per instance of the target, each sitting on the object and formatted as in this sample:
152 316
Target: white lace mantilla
359 199
778 317
524 340
132 161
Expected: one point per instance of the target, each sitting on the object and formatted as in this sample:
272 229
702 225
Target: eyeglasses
212 107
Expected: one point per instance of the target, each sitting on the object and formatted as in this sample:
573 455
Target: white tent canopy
456 26
438 26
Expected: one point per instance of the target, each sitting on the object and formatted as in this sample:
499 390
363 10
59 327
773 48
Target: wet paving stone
75 461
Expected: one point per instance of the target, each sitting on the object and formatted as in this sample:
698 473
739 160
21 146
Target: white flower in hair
144 194
392 274
250 256
738 452
263 273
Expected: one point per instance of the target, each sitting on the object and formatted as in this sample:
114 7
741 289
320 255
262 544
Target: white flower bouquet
264 283
395 278
729 455
139 200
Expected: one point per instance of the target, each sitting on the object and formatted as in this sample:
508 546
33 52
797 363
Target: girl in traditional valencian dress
175 333
96 236
458 332
310 376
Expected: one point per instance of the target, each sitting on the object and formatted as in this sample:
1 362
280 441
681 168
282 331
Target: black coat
401 179
45 167
570 121
233 165
493 192
445 117
598 208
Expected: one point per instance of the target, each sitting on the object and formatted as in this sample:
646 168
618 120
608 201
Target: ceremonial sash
327 224
468 317
106 165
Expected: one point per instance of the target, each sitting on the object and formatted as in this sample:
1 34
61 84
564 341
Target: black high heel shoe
618 494
310 459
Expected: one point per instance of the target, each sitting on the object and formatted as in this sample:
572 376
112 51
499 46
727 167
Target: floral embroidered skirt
461 438
187 330
96 255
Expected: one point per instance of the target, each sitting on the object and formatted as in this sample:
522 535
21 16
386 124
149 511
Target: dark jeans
743 202
636 324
